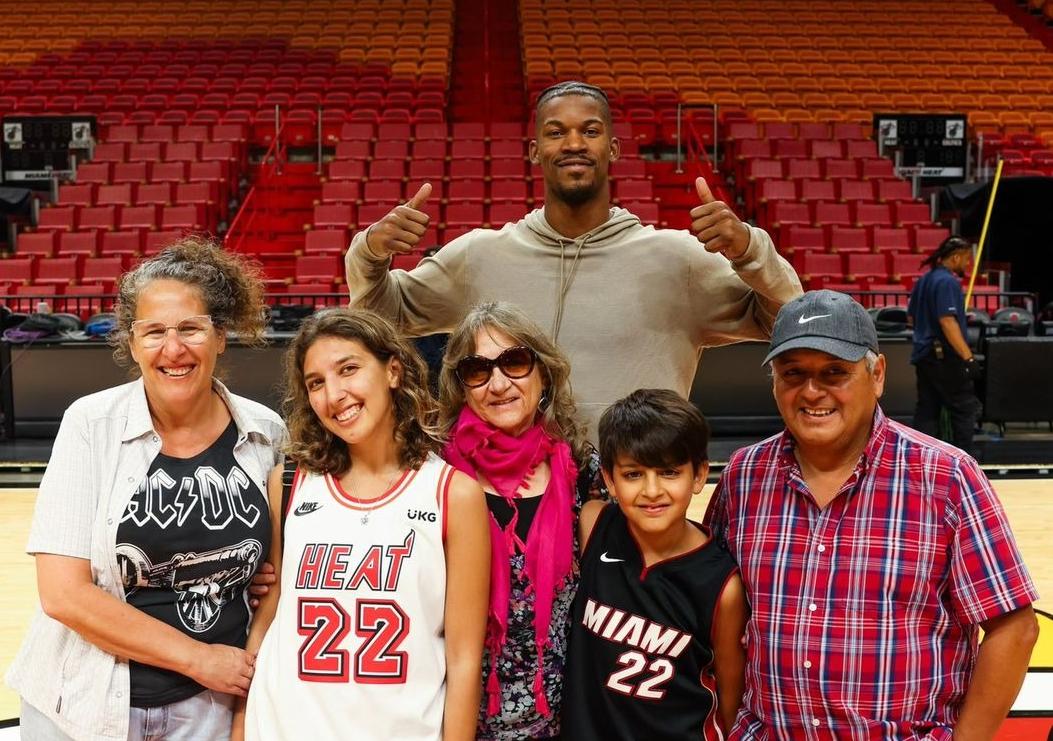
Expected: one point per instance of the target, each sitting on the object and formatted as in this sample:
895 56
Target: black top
503 511
189 542
640 665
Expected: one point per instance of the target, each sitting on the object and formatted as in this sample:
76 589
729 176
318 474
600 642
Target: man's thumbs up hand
401 230
716 226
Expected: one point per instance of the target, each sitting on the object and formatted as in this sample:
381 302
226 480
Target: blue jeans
204 717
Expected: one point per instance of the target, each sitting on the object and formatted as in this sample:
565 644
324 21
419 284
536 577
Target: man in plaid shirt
871 555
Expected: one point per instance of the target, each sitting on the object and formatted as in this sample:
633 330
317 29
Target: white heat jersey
357 649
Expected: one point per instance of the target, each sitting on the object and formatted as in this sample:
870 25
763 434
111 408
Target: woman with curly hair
508 411
151 519
376 625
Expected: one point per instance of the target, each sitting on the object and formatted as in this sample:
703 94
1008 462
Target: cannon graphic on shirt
203 582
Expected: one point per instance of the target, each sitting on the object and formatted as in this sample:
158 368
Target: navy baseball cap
827 321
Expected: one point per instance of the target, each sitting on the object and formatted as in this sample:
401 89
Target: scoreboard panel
34 149
932 145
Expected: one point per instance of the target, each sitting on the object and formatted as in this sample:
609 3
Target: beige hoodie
631 305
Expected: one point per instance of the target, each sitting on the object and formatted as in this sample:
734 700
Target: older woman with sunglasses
151 520
512 424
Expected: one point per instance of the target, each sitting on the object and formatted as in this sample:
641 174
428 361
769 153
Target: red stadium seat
17 270
634 190
318 268
325 242
509 190
786 213
890 239
872 214
170 172
110 152
848 239
387 169
856 190
154 242
905 266
466 191
341 191
470 150
180 217
347 170
138 217
818 190
356 149
78 243
813 267
463 215
120 244
58 218
928 237
827 214
41 244
467 169
503 213
502 169
334 215
144 152
837 169
827 149
866 267
58 271
114 195
98 217
894 190
802 238
427 169
907 213
94 172
130 172
876 168
153 194
76 194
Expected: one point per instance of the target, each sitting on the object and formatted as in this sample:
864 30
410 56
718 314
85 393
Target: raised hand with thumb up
401 230
716 226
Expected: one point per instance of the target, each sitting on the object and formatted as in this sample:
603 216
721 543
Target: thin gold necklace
387 487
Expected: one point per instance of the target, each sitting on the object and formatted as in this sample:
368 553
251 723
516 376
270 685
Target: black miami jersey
640 665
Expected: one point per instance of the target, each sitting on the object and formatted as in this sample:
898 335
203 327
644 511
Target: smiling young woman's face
350 388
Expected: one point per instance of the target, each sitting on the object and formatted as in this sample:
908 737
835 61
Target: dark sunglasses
515 362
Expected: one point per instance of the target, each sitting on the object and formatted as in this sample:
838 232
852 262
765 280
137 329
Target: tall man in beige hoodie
631 305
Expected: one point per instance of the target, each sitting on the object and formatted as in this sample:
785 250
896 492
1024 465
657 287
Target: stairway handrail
271 164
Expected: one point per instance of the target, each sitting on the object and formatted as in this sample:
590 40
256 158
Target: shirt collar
878 432
140 423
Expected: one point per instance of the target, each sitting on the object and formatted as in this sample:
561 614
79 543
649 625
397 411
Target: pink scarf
505 461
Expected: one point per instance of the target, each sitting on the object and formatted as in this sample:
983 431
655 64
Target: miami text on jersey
619 626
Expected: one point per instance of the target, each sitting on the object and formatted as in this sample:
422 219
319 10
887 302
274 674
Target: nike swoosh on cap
805 320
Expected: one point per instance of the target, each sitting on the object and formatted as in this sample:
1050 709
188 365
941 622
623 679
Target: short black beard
576 196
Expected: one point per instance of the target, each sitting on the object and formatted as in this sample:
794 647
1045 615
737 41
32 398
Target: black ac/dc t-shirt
188 544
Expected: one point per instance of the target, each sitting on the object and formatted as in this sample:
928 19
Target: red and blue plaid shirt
865 613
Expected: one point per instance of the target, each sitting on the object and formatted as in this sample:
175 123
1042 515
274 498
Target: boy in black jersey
656 632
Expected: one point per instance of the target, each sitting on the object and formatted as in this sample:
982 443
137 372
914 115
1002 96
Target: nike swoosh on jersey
307 508
607 559
805 320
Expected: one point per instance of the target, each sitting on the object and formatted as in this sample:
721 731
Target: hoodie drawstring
564 288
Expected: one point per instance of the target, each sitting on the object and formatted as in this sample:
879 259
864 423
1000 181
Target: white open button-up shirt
103 450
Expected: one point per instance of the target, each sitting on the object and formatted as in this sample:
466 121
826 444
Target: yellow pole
983 234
